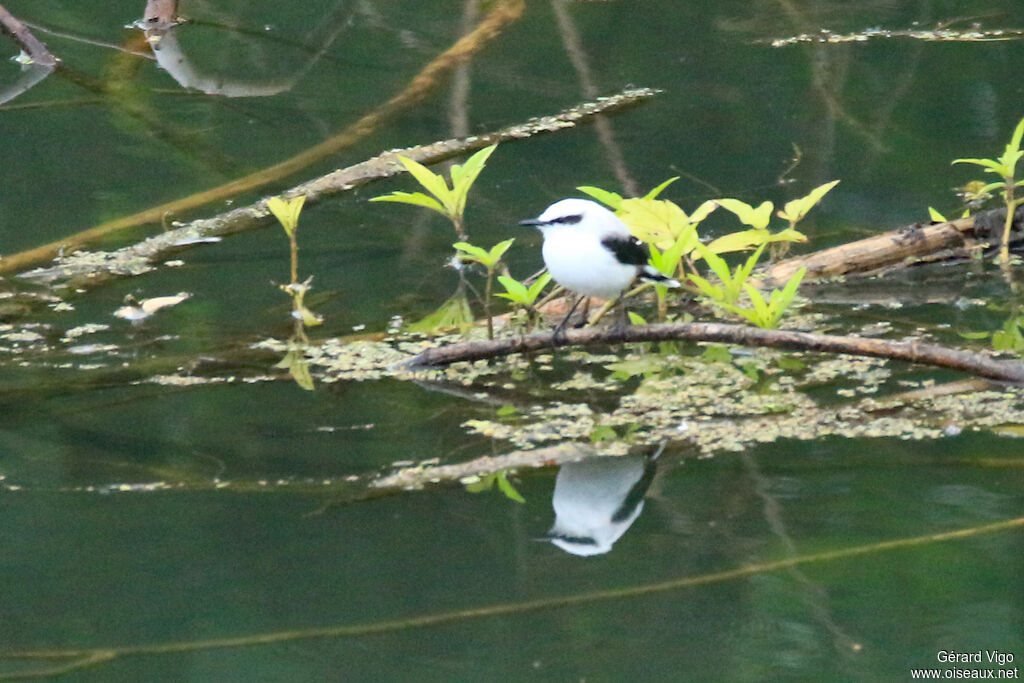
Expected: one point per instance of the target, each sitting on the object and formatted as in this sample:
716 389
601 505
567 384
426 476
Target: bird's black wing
627 250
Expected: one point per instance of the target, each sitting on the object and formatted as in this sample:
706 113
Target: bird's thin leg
560 327
623 321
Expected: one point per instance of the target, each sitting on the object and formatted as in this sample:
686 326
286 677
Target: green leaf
738 241
760 305
414 198
656 191
483 484
537 287
464 176
1015 139
287 211
498 250
656 221
795 210
756 218
507 410
709 290
787 235
636 318
989 165
789 291
432 182
935 216
703 211
715 262
791 364
743 272
453 314
717 353
476 253
975 335
673 255
506 487
1003 341
610 199
515 290
603 433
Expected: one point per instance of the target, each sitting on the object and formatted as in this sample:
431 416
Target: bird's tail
651 274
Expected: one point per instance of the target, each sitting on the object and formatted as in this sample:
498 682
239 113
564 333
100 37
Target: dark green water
84 566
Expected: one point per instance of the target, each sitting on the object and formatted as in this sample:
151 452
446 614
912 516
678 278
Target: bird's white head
583 214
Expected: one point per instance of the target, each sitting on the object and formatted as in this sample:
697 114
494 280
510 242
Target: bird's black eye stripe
569 220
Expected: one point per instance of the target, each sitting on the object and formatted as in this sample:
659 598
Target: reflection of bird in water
596 500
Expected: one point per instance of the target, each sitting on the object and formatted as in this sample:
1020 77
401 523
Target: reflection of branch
814 593
40 62
133 259
28 42
574 48
827 84
418 88
161 27
914 352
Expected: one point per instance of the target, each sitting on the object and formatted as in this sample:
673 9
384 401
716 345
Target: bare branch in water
913 352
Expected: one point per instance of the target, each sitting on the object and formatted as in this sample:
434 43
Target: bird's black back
628 250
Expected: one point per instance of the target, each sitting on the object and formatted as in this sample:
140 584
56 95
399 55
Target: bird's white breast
580 263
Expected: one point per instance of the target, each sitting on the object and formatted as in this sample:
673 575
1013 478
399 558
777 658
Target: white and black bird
596 500
590 251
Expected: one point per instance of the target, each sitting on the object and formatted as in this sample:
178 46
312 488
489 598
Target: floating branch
913 352
948 35
136 258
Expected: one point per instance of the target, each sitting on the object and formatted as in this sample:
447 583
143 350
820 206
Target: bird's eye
569 220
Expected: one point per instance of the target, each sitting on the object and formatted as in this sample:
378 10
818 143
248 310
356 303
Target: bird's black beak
535 222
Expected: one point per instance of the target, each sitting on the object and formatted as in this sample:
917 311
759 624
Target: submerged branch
136 258
913 352
418 88
83 657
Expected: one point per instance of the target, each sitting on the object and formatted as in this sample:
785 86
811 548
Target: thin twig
914 352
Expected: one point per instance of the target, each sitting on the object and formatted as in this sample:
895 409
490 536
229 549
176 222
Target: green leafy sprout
768 313
489 259
448 201
287 212
523 296
1005 167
